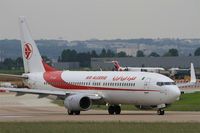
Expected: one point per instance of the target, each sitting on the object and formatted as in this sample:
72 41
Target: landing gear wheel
111 110
77 112
70 112
117 109
160 112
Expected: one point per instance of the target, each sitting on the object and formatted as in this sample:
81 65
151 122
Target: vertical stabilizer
31 56
116 65
192 73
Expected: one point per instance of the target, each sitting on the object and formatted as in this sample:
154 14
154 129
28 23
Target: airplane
82 89
142 69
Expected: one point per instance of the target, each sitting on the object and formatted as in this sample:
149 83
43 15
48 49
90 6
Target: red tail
47 67
116 64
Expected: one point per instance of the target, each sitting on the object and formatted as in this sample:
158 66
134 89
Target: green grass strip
97 127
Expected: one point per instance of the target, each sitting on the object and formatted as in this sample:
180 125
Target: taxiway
29 108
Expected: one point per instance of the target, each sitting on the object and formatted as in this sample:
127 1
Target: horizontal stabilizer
10 77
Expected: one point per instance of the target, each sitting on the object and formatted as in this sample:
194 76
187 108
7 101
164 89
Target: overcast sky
102 19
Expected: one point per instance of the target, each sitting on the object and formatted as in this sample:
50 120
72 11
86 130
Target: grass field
98 127
187 102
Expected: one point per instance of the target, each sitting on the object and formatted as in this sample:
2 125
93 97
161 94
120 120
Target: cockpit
165 83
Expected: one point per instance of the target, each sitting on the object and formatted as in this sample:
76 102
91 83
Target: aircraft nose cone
175 92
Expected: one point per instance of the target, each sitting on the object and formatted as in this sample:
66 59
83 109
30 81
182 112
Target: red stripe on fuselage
54 79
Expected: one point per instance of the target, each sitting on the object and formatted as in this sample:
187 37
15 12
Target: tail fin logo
28 51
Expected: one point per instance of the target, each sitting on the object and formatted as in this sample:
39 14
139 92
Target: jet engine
78 103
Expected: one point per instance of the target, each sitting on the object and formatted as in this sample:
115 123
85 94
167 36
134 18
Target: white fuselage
138 88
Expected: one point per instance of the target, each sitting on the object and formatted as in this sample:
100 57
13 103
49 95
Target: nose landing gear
160 111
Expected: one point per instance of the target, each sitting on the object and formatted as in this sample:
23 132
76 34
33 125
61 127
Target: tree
72 56
19 62
103 53
197 52
140 53
110 53
9 63
154 54
84 59
59 59
68 55
94 54
121 54
172 52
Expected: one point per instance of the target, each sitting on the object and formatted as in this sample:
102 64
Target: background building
66 65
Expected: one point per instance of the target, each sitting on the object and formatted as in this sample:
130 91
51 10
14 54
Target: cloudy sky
102 19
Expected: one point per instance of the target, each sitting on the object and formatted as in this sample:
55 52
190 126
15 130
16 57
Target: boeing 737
81 89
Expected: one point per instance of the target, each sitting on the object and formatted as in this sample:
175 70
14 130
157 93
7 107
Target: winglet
192 74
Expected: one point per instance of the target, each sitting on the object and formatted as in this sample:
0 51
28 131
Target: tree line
84 58
171 52
9 64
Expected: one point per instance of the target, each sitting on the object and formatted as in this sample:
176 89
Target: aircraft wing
10 77
34 91
22 91
188 84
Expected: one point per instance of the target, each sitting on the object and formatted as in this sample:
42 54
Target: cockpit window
165 83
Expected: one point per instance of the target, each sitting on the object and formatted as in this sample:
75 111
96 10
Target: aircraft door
147 83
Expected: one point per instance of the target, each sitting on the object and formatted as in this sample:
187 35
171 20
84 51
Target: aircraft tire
111 110
117 109
161 112
70 112
77 112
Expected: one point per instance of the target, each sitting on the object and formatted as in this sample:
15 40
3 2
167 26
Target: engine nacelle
78 103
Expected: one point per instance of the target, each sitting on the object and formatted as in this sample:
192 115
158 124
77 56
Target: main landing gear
114 109
160 111
70 112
